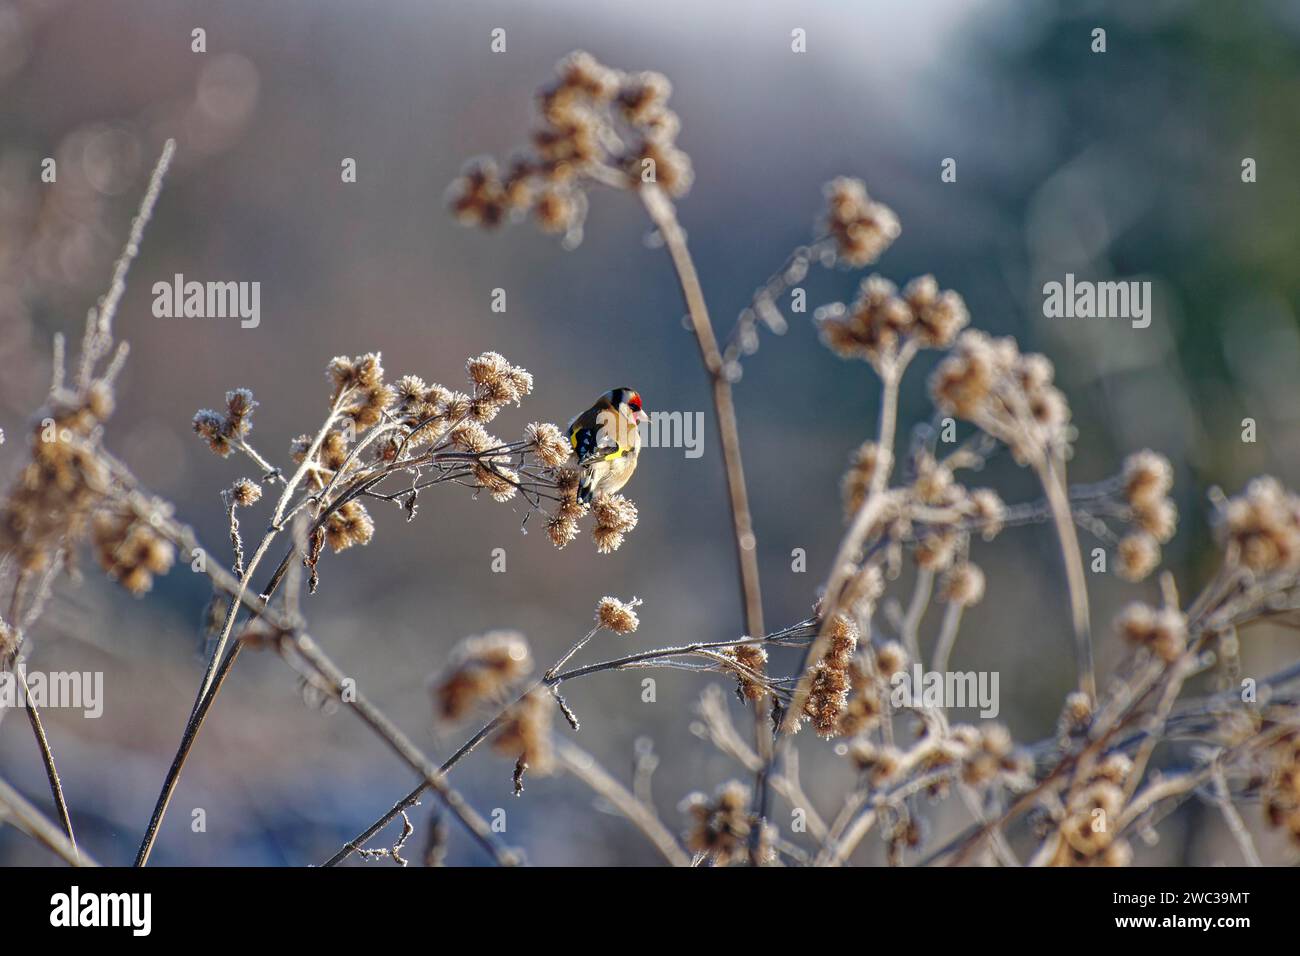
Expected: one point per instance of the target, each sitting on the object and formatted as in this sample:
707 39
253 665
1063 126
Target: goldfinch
606 442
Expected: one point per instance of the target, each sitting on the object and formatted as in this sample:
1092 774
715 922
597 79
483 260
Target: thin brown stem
1052 475
47 757
664 216
583 766
434 778
552 679
220 663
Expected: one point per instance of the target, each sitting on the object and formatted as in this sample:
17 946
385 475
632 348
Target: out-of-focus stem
662 214
41 829
582 765
1052 476
307 649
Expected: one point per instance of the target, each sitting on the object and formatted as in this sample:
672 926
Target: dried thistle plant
1078 796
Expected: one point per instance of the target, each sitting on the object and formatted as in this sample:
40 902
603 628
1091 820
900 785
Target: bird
606 442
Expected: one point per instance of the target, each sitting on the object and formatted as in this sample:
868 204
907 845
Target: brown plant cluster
1261 527
1010 396
434 434
862 229
1147 479
721 824
596 126
831 680
1282 785
1088 826
71 489
481 670
881 320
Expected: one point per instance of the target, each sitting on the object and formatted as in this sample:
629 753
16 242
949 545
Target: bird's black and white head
628 403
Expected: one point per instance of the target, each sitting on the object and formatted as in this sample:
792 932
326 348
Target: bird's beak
641 417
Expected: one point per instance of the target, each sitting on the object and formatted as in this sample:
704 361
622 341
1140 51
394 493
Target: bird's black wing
590 439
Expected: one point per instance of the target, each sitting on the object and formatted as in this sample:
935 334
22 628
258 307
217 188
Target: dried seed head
1137 555
963 382
934 482
1163 632
239 406
364 371
1147 477
581 71
921 293
1114 767
333 451
1076 713
130 551
525 732
502 483
615 513
641 95
751 658
493 375
862 229
1088 830
864 589
719 827
613 615
561 529
937 549
559 209
212 428
349 525
245 492
891 657
988 755
410 391
671 168
1281 786
963 584
548 443
606 539
469 436
1262 525
864 708
831 681
939 322
880 764
481 670
1158 518
1034 372
856 482
567 480
871 325
987 511
477 197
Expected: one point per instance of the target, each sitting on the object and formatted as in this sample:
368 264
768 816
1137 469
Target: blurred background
1121 165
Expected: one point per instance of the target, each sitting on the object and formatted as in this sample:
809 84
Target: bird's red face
634 407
